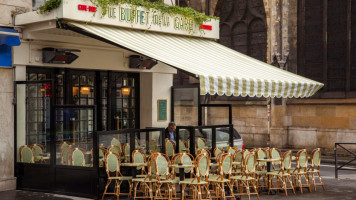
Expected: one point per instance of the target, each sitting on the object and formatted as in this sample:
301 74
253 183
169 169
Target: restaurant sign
129 16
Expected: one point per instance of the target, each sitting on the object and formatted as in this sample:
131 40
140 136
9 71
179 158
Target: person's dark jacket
166 134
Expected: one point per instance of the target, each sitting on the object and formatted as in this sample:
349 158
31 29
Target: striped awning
221 70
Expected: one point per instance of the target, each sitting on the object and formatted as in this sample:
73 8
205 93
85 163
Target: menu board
162 110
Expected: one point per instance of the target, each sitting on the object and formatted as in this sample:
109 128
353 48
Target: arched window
326 41
243 26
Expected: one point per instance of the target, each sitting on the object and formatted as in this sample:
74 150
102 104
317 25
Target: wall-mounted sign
127 16
162 110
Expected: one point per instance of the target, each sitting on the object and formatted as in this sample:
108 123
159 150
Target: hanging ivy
199 18
49 5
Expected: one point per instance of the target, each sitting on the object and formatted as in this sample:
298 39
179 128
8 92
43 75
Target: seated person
170 131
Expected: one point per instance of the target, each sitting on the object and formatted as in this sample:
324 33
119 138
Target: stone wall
7 180
8 8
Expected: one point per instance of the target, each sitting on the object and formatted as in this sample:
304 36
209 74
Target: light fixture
125 91
84 90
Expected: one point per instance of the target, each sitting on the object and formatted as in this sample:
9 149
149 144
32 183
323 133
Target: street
336 189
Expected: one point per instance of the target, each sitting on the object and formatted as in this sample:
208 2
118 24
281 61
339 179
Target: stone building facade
8 8
310 38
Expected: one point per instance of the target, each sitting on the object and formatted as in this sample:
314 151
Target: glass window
83 89
74 136
33 121
125 116
186 106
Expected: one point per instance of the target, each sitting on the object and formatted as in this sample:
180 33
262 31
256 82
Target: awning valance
9 37
221 70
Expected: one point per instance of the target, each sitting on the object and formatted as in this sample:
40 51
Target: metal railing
337 168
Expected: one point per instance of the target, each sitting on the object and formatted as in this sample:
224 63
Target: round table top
214 164
268 159
182 166
133 164
236 163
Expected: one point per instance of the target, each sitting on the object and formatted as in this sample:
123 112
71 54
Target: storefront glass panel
33 103
74 136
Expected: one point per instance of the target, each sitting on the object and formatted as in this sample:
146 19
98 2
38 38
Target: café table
181 169
133 167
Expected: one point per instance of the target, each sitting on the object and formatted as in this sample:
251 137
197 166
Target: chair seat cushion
218 180
191 181
122 178
294 171
313 170
277 173
145 180
261 172
240 177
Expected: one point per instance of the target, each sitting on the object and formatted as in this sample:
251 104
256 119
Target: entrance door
75 165
54 144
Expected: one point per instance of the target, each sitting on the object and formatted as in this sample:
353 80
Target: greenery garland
49 5
198 17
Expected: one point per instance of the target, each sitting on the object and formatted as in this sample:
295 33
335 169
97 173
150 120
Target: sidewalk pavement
336 189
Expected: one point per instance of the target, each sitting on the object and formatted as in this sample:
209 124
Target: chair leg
284 185
300 183
254 186
106 188
313 180
291 184
321 182
308 182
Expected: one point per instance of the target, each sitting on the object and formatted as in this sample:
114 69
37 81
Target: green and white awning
221 70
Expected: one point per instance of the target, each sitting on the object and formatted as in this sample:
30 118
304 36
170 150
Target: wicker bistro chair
217 151
138 156
126 152
261 168
182 147
65 155
282 175
153 145
230 150
37 150
77 157
102 153
163 177
237 157
63 145
246 179
169 148
116 142
187 144
275 153
223 177
26 154
112 167
184 159
314 167
204 151
115 149
200 178
200 143
301 170
146 182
